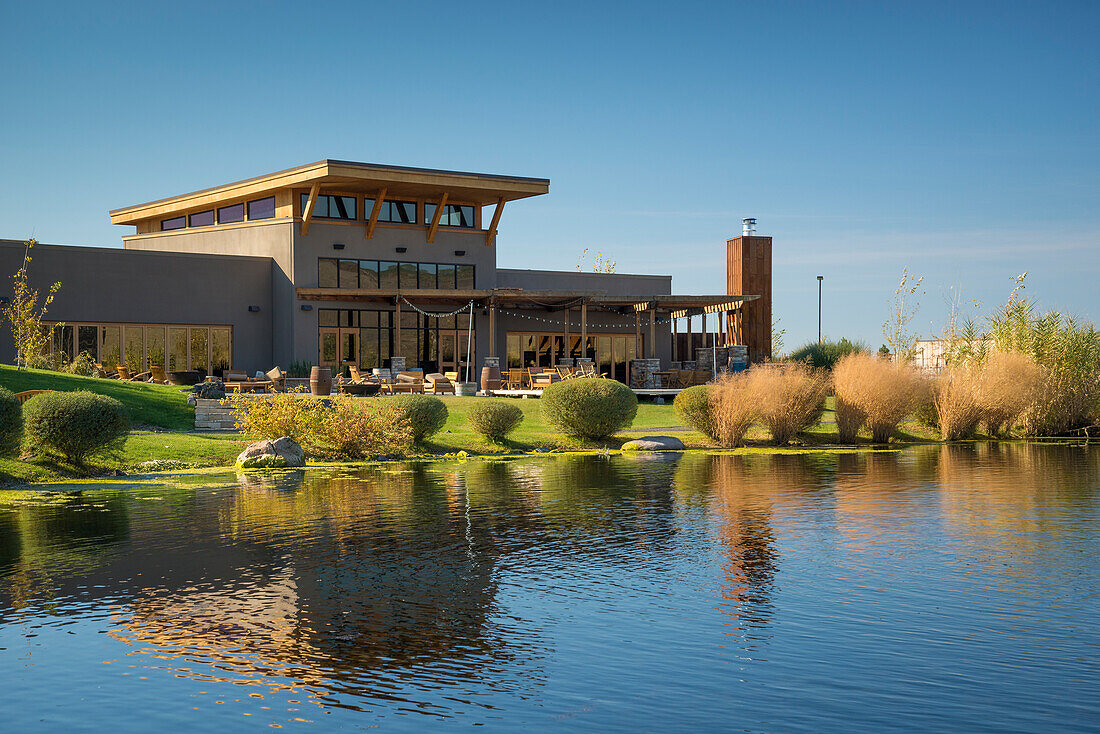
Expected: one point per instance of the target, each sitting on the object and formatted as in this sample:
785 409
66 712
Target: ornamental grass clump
1009 384
789 399
694 407
494 420
268 416
733 408
589 408
11 423
956 402
74 425
876 393
426 414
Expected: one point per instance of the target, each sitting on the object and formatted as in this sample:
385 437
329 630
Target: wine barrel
320 380
490 378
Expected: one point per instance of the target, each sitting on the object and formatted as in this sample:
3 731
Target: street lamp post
819 279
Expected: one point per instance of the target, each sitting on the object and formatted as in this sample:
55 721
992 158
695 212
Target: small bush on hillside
351 428
494 420
1008 385
590 408
11 423
733 408
74 424
877 393
789 399
426 414
826 354
84 364
694 408
956 402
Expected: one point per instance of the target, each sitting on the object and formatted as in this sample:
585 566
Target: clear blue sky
958 139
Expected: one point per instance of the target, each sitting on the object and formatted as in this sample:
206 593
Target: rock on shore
266 454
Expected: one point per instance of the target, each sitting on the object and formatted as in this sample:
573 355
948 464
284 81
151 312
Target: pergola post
493 328
565 347
584 328
397 328
675 346
652 333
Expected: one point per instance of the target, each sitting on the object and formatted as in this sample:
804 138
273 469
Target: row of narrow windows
392 210
258 209
327 206
347 273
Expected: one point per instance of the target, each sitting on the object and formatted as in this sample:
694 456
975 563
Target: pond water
943 588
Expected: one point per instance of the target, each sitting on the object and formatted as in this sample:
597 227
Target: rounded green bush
494 420
589 407
74 424
427 414
693 407
11 423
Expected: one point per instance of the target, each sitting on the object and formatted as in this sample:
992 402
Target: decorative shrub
84 364
826 354
11 423
352 428
693 406
790 399
274 416
733 408
589 408
74 424
875 392
426 414
494 420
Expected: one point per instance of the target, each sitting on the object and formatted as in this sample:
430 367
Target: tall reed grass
733 408
789 400
955 401
875 393
1009 385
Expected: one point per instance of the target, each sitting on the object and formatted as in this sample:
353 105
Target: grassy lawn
163 406
193 449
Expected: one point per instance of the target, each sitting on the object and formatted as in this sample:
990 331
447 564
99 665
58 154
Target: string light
468 307
556 322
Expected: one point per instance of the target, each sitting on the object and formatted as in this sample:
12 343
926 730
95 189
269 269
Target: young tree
777 338
903 307
25 315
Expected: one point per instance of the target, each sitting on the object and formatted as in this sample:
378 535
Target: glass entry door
338 348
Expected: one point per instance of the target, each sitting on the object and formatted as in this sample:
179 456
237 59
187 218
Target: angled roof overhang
348 176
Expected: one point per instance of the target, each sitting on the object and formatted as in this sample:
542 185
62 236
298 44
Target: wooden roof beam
307 215
375 212
435 217
492 232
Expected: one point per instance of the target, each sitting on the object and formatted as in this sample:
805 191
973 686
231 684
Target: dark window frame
384 215
448 210
167 225
221 213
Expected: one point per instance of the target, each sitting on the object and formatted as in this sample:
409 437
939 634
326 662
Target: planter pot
466 389
320 381
184 377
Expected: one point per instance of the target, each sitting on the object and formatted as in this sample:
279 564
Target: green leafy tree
25 315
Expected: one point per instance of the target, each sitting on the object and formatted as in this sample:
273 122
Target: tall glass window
426 275
177 349
388 274
221 354
111 352
200 357
154 346
328 272
408 276
135 355
349 274
231 214
465 277
86 341
368 273
262 208
446 276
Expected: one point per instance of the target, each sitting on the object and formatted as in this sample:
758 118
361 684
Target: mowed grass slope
163 406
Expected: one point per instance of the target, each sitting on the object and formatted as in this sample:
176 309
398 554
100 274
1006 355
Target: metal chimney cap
748 226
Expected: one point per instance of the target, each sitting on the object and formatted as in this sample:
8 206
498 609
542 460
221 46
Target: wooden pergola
673 306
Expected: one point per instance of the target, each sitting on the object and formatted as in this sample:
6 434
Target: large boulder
267 454
654 443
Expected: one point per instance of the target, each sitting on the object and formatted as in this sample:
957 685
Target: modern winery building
338 263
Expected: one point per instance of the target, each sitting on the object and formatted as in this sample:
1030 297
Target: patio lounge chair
241 382
435 383
514 379
278 378
157 375
407 382
567 373
542 379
